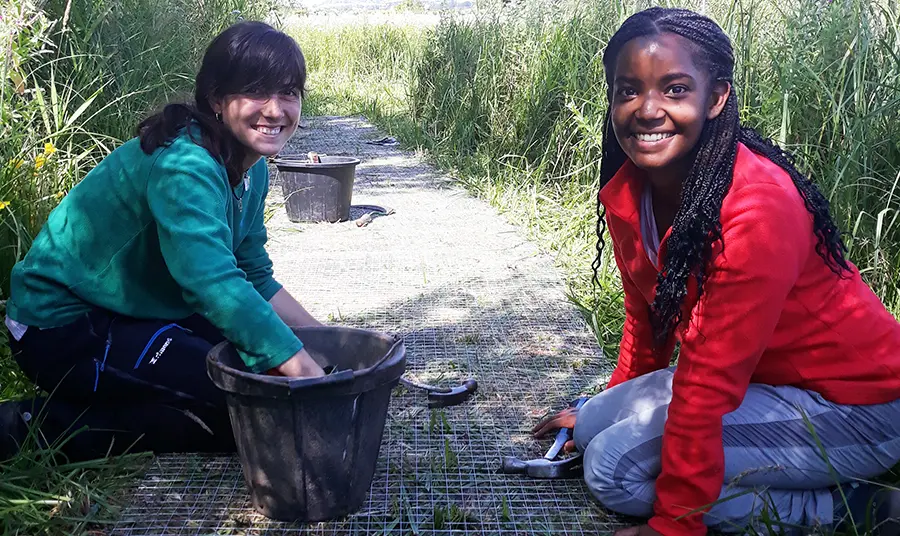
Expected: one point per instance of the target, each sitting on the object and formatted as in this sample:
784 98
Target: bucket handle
342 376
397 341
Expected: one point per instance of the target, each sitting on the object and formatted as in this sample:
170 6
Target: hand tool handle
564 434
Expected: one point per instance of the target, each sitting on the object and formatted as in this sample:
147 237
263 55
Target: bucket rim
288 385
301 163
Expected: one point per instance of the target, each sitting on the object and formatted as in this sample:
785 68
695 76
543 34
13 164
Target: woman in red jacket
724 246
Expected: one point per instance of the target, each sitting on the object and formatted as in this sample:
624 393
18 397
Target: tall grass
357 66
75 79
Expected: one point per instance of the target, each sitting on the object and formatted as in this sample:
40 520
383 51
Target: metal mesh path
472 298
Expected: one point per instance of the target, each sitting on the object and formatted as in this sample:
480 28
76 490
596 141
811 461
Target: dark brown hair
247 58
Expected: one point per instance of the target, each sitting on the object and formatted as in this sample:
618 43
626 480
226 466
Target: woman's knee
618 477
591 420
643 394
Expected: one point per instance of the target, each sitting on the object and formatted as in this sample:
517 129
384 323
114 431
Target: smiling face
660 102
262 123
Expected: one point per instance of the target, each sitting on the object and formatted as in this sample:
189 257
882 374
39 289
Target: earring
219 117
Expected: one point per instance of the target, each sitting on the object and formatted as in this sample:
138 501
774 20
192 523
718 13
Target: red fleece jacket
772 312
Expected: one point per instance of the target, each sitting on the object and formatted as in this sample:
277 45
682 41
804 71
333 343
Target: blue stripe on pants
153 338
766 444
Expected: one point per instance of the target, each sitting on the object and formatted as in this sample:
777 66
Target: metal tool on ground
442 397
373 212
387 141
544 469
549 467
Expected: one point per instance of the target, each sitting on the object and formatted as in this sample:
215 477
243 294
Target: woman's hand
300 365
564 419
643 530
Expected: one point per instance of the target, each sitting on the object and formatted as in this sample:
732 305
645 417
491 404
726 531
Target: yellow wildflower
17 163
59 195
4 204
39 161
49 149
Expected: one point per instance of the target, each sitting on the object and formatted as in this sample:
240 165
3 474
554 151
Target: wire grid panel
471 298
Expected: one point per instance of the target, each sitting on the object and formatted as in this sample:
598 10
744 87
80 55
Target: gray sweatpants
767 445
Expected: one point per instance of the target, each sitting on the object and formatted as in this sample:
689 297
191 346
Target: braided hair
697 226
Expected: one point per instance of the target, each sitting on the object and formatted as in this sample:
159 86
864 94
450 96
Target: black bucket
309 446
317 191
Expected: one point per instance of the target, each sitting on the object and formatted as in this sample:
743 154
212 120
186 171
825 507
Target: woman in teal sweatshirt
157 255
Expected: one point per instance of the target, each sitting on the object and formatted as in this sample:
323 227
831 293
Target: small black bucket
309 446
317 191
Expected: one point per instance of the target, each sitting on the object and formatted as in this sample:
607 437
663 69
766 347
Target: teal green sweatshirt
159 236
